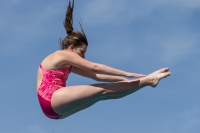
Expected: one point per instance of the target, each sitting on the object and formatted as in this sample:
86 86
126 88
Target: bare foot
158 75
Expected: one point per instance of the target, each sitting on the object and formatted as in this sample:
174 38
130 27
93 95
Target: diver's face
81 50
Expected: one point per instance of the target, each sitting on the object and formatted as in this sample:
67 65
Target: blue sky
133 35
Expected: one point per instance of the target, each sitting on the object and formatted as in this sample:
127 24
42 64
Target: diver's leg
69 100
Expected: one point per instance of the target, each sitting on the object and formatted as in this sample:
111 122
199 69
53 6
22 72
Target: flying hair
80 23
74 37
68 23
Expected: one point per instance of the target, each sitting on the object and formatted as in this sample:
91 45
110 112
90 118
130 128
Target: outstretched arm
97 77
108 78
112 71
75 60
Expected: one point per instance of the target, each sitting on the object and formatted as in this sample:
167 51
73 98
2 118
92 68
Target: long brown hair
74 37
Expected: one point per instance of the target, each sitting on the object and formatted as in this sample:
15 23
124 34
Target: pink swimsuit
52 80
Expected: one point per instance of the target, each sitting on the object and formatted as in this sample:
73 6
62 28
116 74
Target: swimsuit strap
65 68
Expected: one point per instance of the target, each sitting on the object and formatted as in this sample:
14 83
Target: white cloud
190 118
102 11
121 12
16 1
94 12
178 48
114 11
187 121
35 129
18 29
192 4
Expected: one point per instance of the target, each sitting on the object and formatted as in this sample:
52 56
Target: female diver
59 101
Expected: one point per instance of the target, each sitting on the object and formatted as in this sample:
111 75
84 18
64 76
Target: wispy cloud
21 29
192 4
121 12
113 11
15 1
175 47
34 129
178 48
187 121
172 38
190 119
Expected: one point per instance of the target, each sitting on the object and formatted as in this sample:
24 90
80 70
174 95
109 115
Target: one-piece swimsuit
52 80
